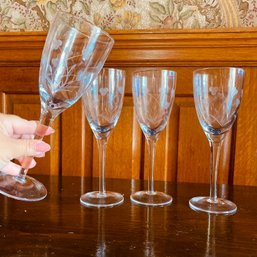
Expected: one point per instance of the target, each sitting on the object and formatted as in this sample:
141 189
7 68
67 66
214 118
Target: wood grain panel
76 142
193 147
19 79
245 165
182 145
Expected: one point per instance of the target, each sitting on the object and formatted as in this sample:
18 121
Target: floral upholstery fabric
35 15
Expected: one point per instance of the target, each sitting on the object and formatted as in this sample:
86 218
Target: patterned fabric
35 15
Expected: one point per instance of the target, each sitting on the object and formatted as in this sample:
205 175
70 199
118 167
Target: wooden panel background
182 150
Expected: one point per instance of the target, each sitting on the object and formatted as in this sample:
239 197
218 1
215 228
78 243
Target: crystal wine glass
217 96
153 95
73 54
102 104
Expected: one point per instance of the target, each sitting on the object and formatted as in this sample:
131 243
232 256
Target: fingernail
42 147
51 130
40 154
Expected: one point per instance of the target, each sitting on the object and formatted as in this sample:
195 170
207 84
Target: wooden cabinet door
183 152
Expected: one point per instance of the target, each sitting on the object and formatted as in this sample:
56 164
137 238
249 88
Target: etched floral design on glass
102 104
217 96
74 53
153 96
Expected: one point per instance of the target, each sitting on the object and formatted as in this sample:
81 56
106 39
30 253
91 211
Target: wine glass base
26 189
205 204
151 199
101 200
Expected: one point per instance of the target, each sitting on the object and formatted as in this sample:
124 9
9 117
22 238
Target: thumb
14 169
27 147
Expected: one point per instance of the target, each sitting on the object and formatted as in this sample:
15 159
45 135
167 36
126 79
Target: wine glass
217 96
153 96
73 54
102 104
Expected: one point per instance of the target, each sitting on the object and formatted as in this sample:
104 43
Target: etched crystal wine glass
102 104
217 96
153 96
74 53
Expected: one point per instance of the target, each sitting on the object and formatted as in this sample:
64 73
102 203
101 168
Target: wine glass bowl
74 53
217 95
153 96
218 101
102 104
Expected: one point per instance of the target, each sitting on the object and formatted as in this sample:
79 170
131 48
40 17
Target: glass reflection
101 244
210 242
149 238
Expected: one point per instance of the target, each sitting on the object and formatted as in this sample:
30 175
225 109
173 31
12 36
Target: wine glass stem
45 121
215 146
151 141
102 143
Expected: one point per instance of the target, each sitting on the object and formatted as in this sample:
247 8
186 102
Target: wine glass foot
101 200
24 189
151 199
205 204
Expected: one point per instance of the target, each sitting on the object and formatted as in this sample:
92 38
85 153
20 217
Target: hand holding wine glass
73 54
102 104
153 95
217 96
16 142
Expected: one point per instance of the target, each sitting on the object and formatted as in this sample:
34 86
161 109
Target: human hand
16 142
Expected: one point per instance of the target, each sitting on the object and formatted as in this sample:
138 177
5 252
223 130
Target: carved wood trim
150 47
